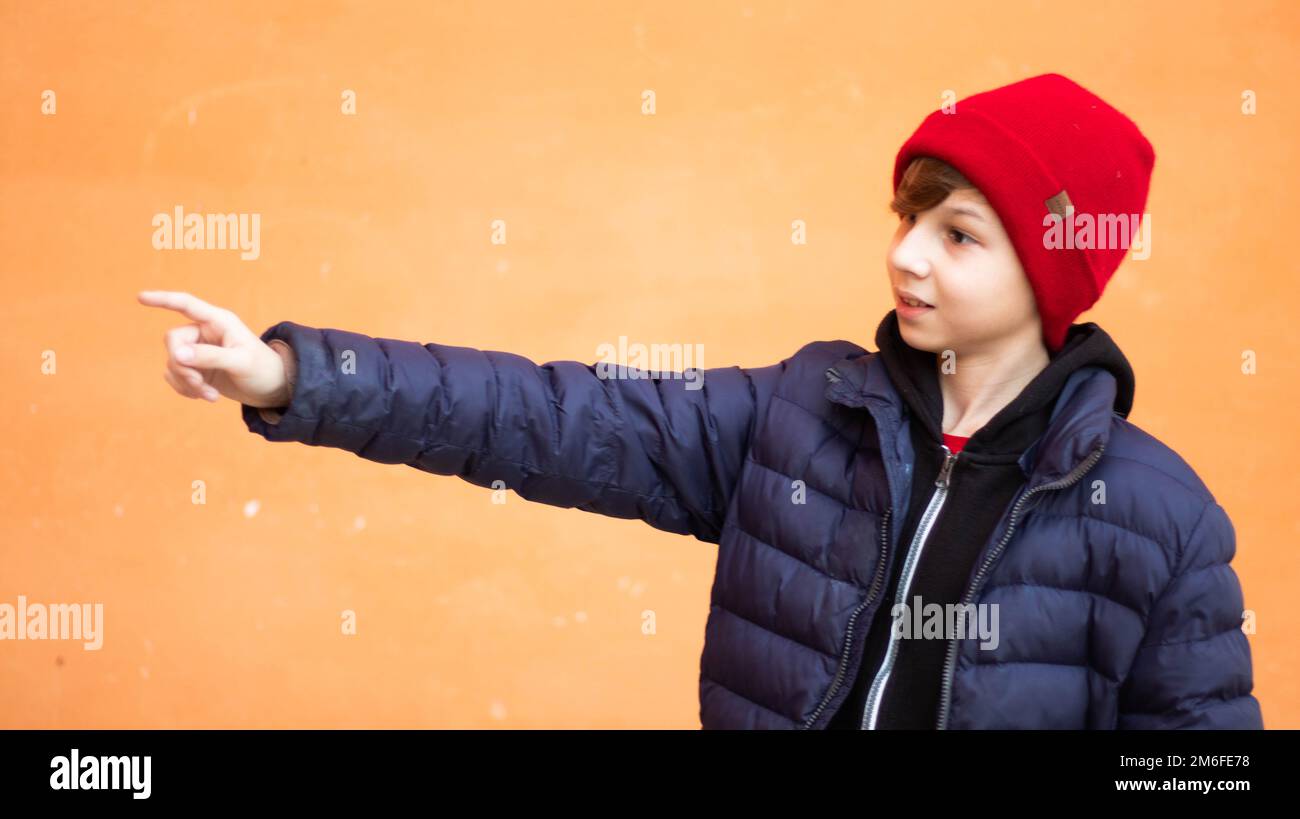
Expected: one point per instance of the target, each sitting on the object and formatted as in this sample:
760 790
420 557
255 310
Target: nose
911 253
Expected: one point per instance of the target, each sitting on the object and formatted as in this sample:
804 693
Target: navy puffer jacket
1121 615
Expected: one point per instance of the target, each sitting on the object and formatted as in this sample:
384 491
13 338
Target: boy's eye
911 217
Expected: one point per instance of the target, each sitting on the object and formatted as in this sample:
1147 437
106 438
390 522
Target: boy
979 463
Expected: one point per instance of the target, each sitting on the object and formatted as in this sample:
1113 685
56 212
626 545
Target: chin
920 340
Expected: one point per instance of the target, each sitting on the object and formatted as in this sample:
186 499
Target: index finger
192 306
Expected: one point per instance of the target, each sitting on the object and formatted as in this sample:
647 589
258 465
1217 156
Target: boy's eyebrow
971 212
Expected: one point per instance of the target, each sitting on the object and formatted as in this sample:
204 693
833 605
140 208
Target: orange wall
673 227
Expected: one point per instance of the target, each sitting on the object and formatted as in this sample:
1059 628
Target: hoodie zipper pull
946 470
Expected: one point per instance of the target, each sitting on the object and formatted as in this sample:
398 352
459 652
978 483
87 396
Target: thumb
208 357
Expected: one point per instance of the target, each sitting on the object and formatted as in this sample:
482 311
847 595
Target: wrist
284 396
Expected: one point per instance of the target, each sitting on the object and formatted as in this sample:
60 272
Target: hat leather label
1060 204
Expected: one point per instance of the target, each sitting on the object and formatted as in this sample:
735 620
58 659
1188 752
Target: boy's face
957 257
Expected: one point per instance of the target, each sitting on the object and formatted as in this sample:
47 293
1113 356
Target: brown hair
926 183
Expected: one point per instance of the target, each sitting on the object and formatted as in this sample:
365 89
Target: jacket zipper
945 695
848 636
871 711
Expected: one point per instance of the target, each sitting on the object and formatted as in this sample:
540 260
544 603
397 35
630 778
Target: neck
980 382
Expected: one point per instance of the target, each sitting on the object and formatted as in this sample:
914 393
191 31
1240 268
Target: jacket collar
1081 417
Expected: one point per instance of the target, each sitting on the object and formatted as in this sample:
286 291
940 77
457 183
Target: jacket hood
1018 425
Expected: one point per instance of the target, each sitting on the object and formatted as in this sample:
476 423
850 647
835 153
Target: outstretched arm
667 450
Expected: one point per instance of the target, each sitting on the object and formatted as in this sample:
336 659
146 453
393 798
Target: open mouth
910 301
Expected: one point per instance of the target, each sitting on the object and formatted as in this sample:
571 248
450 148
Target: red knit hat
1040 146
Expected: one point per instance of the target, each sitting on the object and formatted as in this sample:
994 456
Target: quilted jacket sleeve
664 450
1193 669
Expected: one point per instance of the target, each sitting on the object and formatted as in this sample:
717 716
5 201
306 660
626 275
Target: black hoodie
983 481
